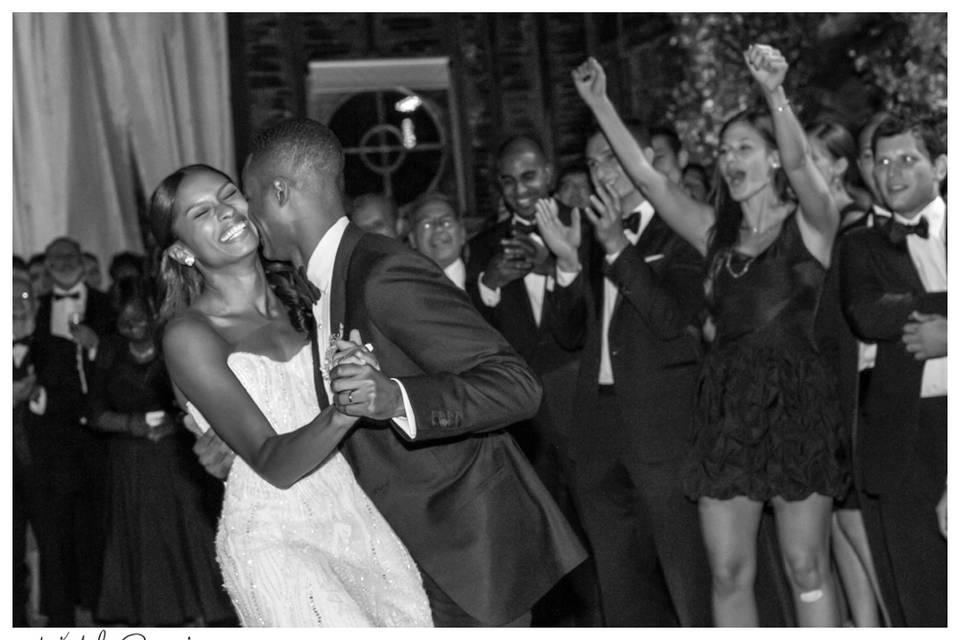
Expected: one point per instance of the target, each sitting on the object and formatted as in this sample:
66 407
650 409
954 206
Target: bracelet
783 107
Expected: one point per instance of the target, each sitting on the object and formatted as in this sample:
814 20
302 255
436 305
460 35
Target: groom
429 449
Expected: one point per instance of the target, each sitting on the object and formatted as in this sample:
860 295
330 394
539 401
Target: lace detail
319 553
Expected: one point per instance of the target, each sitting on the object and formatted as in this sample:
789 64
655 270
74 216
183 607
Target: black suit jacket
554 343
56 436
461 495
880 287
654 344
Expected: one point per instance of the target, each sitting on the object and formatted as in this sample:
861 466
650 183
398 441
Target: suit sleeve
875 313
569 312
669 300
473 381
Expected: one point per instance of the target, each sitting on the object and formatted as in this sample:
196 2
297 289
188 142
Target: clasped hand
925 336
359 388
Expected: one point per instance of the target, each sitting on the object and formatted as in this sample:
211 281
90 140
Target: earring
188 261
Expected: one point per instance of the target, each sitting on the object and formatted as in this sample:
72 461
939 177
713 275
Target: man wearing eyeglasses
437 232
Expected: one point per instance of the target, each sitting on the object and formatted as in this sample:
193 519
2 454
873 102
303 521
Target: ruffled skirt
768 423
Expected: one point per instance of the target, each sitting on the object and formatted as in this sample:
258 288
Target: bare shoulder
192 332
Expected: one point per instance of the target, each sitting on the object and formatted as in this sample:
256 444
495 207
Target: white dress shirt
320 273
457 272
929 256
65 309
611 293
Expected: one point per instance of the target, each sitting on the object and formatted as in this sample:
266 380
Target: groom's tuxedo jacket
461 495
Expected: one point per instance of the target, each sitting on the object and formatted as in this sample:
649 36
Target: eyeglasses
446 223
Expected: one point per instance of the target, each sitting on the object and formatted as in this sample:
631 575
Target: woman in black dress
159 565
769 425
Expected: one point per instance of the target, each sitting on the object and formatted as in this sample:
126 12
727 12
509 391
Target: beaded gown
768 419
318 553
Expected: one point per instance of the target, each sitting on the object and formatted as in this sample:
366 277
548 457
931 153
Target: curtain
105 106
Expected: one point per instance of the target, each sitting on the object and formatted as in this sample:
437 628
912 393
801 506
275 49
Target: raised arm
197 360
691 219
818 216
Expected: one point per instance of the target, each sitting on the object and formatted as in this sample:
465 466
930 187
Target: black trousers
909 552
644 533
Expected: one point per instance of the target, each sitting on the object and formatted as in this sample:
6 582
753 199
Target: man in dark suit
70 458
430 450
513 281
895 293
633 404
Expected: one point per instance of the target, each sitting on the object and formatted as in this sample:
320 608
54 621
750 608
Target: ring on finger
350 397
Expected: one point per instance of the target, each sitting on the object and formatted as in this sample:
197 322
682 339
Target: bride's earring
188 261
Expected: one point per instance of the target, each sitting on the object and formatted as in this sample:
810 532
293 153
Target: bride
299 542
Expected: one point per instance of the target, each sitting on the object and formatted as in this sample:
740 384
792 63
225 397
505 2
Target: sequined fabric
319 553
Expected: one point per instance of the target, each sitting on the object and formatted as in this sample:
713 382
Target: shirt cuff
566 278
407 424
490 297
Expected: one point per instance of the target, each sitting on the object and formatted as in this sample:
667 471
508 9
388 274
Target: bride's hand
355 352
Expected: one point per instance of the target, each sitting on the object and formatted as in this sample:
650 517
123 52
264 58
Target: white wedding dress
318 553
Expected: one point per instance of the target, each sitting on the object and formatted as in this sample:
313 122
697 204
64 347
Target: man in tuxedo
437 231
429 449
894 289
69 525
513 280
633 404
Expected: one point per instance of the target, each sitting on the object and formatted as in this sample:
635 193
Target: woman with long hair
299 542
769 426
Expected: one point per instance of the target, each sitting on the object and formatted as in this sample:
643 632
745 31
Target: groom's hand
362 390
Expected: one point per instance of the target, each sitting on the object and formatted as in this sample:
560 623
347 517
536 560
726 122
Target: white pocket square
653 258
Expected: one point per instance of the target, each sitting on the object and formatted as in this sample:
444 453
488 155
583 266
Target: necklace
737 274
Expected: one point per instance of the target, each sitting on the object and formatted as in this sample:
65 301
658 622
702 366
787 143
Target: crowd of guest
743 371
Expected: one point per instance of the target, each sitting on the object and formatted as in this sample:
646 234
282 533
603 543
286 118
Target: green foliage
847 65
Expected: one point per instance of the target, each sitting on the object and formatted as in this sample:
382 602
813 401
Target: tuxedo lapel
902 265
338 284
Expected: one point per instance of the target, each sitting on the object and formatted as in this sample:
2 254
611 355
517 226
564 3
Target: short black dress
768 420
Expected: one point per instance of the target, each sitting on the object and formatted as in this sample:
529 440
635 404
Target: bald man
513 279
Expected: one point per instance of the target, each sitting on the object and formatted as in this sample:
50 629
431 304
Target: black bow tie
898 232
304 287
632 223
60 296
526 228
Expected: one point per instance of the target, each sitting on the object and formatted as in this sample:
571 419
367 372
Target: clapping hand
541 261
926 335
590 81
359 387
562 240
511 263
606 218
767 65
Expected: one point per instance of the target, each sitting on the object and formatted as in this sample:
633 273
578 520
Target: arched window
395 121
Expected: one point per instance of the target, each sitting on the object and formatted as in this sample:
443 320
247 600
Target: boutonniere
328 364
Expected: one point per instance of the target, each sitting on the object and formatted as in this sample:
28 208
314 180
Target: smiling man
438 233
895 293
